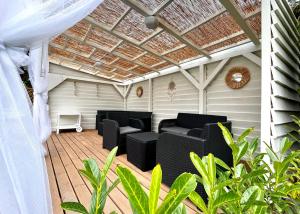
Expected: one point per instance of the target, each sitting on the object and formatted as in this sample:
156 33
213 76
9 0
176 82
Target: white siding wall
241 106
135 103
86 101
185 99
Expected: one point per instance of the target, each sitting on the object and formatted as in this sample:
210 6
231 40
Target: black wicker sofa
190 124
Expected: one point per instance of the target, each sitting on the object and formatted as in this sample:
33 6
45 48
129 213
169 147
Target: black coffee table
141 149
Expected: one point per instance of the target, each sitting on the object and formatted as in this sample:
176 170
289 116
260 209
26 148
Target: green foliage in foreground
98 181
261 183
141 203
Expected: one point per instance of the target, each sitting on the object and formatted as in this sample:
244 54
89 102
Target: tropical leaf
91 178
228 138
242 149
200 167
271 153
182 186
136 195
91 166
242 137
222 164
225 198
285 145
155 188
181 209
74 206
198 201
211 168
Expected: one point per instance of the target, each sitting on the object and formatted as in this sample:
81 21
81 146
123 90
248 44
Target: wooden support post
202 91
150 98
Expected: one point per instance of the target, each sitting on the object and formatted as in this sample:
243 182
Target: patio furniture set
131 132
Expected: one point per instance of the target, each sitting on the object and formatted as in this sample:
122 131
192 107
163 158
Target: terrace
157 78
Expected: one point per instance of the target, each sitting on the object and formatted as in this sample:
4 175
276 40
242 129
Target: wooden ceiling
113 42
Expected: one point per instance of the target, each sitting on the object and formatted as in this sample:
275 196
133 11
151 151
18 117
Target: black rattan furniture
140 119
141 149
185 123
115 135
173 151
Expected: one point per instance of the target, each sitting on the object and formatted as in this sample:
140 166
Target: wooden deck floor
66 152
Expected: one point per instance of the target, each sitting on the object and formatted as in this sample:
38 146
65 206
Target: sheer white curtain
28 25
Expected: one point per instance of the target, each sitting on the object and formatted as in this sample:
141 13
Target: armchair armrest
136 123
195 132
166 123
111 134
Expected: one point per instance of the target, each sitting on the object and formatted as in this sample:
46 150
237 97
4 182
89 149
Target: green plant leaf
249 195
242 149
111 156
228 138
285 145
91 166
182 186
111 188
198 201
271 153
91 178
74 206
198 163
113 212
155 188
211 168
225 198
242 137
181 209
222 164
136 195
253 146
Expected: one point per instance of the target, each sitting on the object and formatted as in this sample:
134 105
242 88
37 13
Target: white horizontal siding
241 106
135 103
86 101
185 99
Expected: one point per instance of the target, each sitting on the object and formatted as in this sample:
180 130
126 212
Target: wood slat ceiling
113 42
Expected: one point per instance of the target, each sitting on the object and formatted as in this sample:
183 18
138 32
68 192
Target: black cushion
120 117
176 129
128 129
190 121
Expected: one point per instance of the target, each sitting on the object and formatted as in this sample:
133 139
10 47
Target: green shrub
97 179
141 203
261 183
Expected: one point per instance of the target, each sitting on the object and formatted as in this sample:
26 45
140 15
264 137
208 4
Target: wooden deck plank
66 152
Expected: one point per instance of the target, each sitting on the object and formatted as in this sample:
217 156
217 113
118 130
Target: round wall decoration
139 91
172 89
237 77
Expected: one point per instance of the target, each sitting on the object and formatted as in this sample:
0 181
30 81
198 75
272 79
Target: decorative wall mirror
237 77
139 91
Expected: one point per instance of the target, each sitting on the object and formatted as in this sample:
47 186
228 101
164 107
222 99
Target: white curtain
26 26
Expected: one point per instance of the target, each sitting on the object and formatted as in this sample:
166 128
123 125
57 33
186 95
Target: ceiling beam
117 34
161 7
140 9
231 7
121 18
203 22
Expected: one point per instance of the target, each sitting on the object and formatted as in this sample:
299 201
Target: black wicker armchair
173 151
